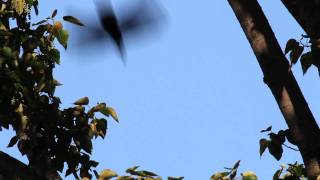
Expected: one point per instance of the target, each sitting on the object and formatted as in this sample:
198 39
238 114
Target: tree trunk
280 80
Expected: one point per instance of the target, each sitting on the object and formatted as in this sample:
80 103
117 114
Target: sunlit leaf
18 6
62 36
107 174
248 175
82 101
219 176
109 111
55 55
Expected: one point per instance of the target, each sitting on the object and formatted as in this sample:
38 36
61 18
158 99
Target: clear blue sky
191 100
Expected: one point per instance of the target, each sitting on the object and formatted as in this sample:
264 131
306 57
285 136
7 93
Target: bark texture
280 80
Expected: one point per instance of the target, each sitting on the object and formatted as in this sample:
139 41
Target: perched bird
136 21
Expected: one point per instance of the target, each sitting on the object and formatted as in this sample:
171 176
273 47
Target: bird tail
122 52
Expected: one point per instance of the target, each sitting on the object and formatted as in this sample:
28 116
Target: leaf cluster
294 171
275 142
133 174
297 50
28 103
231 173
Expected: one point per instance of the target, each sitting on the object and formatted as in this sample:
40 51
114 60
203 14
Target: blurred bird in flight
138 20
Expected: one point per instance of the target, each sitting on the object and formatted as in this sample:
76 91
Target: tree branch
11 168
307 14
281 81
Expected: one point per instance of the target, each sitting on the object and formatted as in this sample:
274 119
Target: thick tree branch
11 168
281 81
307 14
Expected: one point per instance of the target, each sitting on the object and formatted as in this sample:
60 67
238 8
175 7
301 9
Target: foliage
28 103
28 56
297 50
275 142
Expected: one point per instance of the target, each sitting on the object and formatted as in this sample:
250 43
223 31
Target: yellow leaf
113 113
107 174
249 175
82 101
18 6
57 26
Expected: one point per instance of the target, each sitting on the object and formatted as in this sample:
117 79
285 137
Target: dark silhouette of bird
136 21
110 24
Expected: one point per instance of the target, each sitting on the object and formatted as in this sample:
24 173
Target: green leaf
62 36
233 174
7 51
236 165
82 101
40 22
109 111
93 163
107 174
277 138
35 7
5 33
248 175
86 144
13 141
69 171
295 54
101 127
73 20
277 174
125 178
18 6
132 169
275 150
266 130
263 145
144 173
57 83
54 13
306 61
55 55
175 178
291 44
219 176
24 146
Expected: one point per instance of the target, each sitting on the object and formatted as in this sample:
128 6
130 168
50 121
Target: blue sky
191 99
